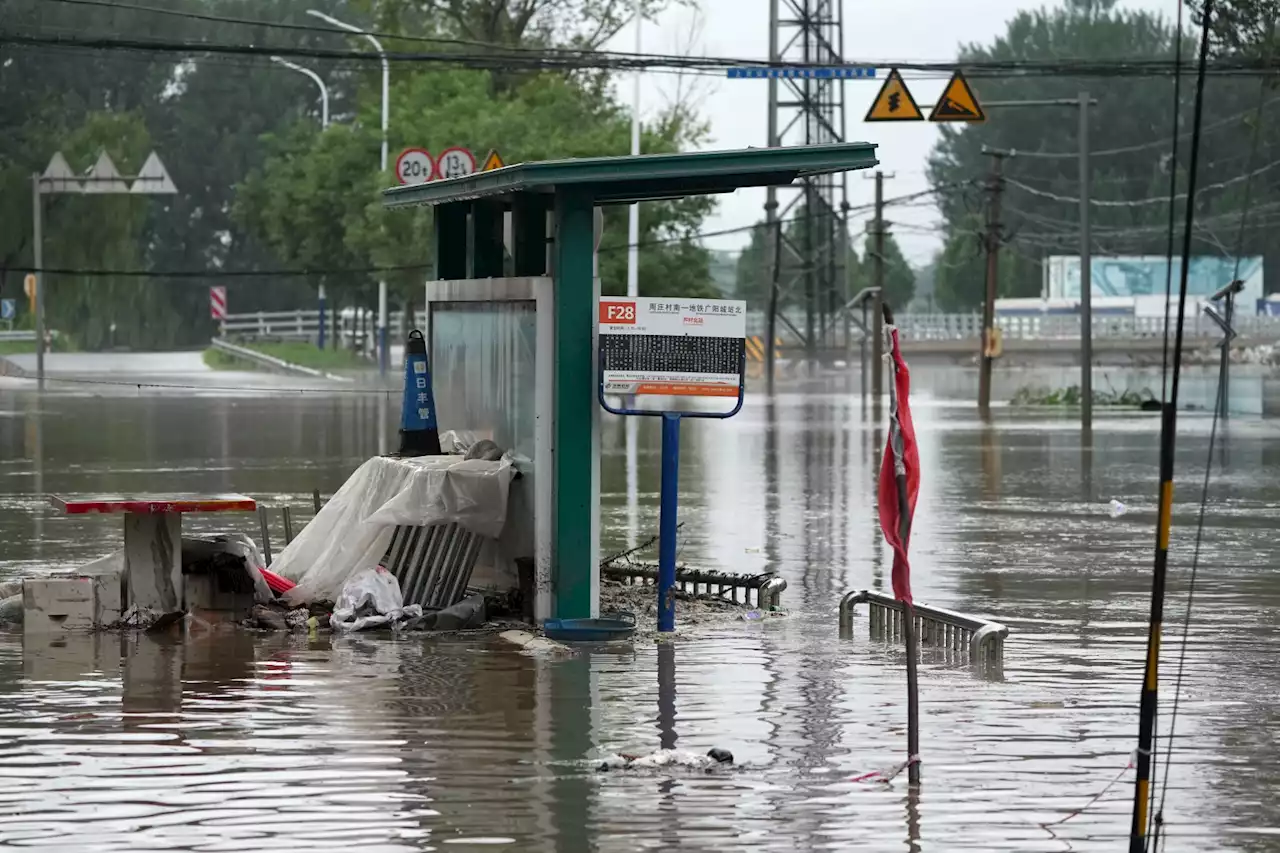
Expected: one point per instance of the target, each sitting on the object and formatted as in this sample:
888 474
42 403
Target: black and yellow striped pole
1168 434
1151 675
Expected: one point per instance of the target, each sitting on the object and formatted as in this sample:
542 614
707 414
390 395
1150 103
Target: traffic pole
670 496
37 262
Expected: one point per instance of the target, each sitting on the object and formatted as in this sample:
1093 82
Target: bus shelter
512 323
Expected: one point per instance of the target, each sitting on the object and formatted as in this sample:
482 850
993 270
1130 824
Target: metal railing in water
767 589
982 639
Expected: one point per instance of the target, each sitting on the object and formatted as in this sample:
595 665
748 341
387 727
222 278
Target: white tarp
353 530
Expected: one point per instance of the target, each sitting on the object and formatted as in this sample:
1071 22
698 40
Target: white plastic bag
370 599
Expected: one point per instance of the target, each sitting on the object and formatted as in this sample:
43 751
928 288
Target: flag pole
908 611
909 637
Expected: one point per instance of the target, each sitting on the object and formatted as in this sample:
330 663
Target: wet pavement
281 743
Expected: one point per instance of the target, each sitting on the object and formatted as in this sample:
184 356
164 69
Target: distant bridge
1048 338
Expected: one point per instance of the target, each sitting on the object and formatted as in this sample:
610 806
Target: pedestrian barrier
766 589
981 639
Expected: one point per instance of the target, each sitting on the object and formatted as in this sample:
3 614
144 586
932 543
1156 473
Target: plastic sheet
353 530
371 598
237 544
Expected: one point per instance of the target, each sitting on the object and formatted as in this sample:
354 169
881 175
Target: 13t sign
415 166
455 162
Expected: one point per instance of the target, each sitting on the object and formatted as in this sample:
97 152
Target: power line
373 270
566 59
1129 149
1142 201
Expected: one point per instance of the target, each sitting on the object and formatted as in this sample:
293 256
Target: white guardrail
955 327
304 325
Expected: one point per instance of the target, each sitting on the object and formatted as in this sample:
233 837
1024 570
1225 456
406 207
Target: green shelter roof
624 180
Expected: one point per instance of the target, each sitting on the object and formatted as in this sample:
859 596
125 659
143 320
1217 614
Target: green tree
316 199
755 264
1243 27
899 278
1130 165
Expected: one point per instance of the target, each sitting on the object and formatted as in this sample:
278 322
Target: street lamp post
324 123
324 90
383 355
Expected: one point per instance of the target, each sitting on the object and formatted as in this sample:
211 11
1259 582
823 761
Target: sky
876 31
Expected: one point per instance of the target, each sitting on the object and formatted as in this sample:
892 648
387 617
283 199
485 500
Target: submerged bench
981 639
153 538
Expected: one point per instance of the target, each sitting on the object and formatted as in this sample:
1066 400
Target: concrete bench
153 538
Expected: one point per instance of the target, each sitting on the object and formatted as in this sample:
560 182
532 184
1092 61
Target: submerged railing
935 627
767 589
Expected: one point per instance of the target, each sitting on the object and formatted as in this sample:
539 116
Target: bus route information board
672 347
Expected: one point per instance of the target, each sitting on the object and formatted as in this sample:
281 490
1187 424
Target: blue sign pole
671 482
667 521
419 434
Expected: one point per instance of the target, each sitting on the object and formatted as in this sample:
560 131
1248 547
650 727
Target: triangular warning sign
58 177
493 161
957 103
894 103
104 178
153 179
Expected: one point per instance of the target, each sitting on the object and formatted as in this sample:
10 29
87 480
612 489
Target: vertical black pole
909 638
1168 436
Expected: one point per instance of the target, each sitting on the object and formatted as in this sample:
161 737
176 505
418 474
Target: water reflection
234 741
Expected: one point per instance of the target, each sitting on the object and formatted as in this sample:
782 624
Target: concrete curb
272 363
8 368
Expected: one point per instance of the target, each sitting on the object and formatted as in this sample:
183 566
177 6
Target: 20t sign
618 313
415 166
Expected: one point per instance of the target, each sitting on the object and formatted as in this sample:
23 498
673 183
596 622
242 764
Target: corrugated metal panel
433 564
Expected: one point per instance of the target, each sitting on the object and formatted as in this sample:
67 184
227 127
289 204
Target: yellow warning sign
894 103
493 161
958 103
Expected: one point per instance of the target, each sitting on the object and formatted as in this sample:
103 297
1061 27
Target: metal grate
766 590
433 564
981 640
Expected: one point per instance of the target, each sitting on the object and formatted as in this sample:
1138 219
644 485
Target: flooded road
280 743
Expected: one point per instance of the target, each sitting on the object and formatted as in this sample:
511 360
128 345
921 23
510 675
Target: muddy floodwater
378 744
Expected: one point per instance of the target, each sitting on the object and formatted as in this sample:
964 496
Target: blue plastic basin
617 626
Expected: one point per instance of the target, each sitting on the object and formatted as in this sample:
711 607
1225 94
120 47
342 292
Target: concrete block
153 560
53 605
108 599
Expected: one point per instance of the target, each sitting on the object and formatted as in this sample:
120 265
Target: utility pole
1086 275
994 187
773 228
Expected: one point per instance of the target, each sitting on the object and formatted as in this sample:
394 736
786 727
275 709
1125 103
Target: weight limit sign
672 347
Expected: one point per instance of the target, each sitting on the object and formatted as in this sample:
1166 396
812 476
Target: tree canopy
1131 140
268 204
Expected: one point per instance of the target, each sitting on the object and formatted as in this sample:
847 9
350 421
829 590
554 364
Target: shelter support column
451 241
486 239
576 525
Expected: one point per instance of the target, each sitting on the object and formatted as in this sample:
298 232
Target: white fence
361 327
954 327
356 329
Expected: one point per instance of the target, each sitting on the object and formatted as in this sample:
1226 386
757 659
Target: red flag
901 466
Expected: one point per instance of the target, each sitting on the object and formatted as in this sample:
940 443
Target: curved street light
383 353
324 90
